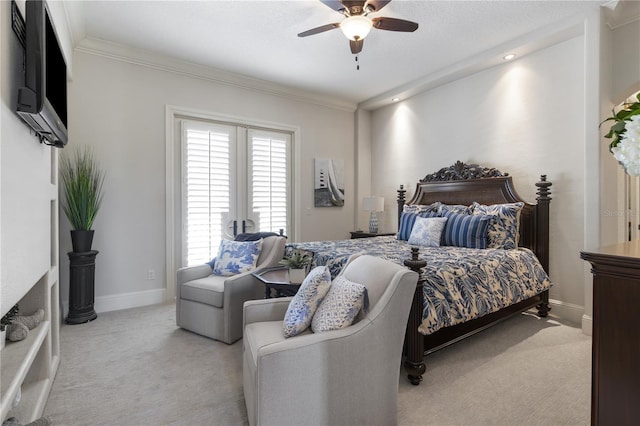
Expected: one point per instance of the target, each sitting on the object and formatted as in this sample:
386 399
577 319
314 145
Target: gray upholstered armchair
211 305
340 377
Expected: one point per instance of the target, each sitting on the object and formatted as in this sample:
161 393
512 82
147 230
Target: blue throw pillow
235 257
463 230
504 232
407 220
340 307
454 208
306 301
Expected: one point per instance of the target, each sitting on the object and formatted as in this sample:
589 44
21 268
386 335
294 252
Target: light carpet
135 367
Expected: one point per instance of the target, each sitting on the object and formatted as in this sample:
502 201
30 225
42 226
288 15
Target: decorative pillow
419 208
463 230
454 208
235 257
427 231
407 220
504 231
341 306
306 301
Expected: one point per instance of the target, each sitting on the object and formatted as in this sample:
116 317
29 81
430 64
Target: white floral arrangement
625 135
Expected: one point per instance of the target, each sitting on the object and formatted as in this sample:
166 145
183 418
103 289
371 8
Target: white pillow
341 306
427 231
235 257
306 301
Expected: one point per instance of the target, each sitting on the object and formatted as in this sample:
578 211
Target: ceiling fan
357 23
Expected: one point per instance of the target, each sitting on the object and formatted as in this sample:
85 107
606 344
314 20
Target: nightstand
364 234
276 278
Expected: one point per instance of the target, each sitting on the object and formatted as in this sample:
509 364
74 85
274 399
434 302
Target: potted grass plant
297 262
82 180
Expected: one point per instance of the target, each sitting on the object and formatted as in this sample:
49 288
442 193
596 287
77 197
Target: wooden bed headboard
465 183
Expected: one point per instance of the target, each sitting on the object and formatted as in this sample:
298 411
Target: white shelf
30 366
16 359
33 400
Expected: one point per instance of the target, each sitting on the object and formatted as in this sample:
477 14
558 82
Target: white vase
296 276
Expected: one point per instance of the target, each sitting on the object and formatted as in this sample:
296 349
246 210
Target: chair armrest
265 310
190 273
242 287
275 255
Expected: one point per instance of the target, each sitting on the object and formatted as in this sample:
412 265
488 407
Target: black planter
81 240
82 267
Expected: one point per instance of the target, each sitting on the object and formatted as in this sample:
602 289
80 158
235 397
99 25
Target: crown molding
156 61
619 13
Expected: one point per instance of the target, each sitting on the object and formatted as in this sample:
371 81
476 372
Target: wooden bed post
542 236
414 362
401 199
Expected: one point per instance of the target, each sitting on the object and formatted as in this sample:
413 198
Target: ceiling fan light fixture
356 27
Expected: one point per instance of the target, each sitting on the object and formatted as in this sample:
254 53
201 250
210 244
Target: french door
235 179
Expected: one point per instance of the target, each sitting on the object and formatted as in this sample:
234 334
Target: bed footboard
414 341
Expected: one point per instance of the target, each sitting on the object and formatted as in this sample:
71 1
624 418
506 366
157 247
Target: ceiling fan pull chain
357 64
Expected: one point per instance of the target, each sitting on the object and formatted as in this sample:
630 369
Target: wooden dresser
615 380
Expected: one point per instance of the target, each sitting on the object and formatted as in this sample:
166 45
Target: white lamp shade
356 27
373 204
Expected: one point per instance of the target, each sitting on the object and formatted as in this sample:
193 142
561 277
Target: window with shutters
235 179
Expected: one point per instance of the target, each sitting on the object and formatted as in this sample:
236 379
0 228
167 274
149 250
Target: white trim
171 113
148 59
566 311
170 264
121 301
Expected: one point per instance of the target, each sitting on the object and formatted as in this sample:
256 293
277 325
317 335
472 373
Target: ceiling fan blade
319 30
393 24
377 4
333 4
356 46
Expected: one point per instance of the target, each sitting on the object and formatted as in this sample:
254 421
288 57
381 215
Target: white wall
363 168
118 108
27 187
526 118
625 51
620 49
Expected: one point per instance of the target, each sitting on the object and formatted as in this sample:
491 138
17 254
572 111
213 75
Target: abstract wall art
329 183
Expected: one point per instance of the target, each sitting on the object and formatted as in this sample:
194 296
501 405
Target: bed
462 290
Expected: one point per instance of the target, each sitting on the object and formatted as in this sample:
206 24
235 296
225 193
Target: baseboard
124 301
587 325
567 311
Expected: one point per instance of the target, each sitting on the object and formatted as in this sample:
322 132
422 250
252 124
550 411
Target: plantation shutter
269 179
208 189
234 180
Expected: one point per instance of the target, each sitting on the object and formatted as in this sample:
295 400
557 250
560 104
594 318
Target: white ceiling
258 39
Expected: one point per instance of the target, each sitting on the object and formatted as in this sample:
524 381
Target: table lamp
373 205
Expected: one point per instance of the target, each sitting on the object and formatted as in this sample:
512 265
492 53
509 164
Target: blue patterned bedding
461 283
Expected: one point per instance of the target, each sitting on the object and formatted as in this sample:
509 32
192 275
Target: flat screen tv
42 102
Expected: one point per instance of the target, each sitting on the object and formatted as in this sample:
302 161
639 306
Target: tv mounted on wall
42 103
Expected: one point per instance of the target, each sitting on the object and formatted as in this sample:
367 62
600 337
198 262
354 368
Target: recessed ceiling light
395 99
509 57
